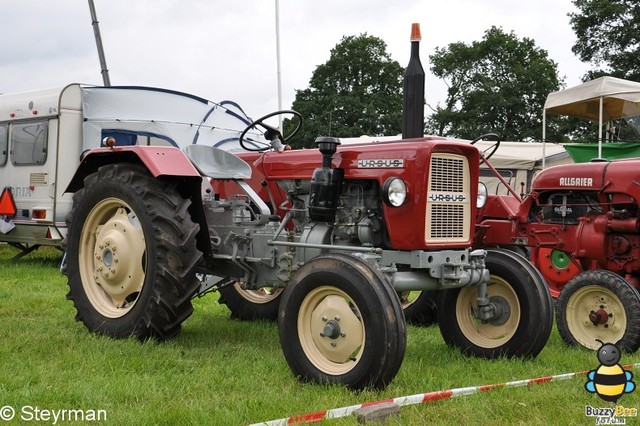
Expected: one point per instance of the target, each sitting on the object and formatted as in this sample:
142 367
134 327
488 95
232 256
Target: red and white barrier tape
419 399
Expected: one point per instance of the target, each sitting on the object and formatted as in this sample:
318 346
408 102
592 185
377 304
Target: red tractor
337 232
581 225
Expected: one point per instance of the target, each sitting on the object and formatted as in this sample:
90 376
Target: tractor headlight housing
394 192
482 195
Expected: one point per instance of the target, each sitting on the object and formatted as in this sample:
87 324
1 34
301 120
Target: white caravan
44 133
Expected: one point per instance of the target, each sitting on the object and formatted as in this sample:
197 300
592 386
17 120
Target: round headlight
482 195
394 192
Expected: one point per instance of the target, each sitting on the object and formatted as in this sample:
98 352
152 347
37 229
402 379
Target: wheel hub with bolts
118 253
600 317
337 331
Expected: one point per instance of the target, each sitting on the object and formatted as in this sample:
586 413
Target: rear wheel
131 254
261 304
419 307
600 305
341 322
524 315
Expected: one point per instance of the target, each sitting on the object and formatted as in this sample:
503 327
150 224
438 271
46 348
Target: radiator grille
447 174
448 201
449 220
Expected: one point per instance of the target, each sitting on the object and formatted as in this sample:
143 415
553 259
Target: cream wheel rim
112 256
331 330
595 300
489 334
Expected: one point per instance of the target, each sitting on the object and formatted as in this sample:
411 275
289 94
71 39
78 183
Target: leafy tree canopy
608 36
498 84
357 91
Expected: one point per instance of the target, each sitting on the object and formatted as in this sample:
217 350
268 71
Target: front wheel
341 322
599 305
131 254
525 308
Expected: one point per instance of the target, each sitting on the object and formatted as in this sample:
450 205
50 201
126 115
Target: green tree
608 36
498 84
357 91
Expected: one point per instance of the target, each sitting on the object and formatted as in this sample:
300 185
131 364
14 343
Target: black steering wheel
493 148
270 133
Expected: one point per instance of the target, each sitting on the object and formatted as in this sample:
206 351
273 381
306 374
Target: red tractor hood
616 176
408 159
571 176
362 160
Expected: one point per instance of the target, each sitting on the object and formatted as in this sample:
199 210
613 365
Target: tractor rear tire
420 307
131 254
340 321
525 325
599 304
261 304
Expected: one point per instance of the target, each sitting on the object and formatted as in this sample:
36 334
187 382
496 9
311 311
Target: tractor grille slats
448 203
449 220
447 174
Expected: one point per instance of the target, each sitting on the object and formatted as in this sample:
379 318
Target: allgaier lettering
576 181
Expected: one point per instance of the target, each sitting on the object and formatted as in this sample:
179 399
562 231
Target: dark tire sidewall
378 363
147 318
627 295
536 315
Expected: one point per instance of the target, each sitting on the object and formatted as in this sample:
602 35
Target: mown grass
225 372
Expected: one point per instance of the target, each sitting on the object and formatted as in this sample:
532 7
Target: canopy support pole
600 128
544 137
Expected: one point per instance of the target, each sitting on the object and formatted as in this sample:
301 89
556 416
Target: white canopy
602 99
621 98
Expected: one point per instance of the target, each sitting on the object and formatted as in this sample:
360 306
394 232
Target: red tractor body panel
159 160
583 176
380 161
587 211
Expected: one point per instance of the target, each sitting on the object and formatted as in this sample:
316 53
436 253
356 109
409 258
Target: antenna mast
96 32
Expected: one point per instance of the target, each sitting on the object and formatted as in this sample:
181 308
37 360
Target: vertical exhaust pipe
413 107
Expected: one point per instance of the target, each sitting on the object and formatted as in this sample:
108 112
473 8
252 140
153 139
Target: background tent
602 100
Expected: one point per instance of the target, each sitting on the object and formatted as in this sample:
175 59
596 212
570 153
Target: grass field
225 372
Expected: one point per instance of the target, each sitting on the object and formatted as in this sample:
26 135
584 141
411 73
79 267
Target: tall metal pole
278 61
96 32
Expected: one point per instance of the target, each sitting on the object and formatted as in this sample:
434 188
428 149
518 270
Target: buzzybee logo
609 381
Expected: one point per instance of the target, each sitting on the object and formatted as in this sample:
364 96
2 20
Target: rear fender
159 160
166 162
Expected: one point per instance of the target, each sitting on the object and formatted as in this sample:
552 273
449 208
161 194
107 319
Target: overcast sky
221 49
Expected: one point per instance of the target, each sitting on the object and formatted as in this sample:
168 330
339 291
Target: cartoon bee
610 381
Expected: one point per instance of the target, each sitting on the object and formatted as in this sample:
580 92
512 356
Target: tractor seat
216 163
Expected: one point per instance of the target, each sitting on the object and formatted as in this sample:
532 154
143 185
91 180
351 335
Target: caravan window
29 143
4 144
